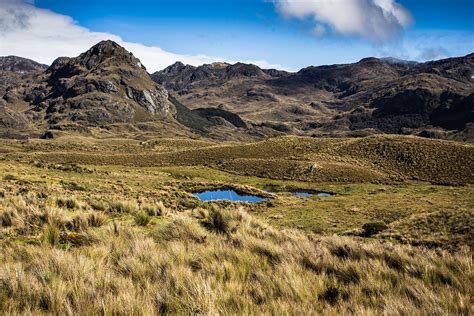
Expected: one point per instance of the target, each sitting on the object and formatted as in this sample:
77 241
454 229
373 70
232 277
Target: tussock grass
223 261
123 207
155 210
70 203
142 218
116 249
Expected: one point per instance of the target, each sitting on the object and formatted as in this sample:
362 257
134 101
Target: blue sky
261 30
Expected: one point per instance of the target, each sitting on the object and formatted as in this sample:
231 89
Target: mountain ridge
107 85
374 95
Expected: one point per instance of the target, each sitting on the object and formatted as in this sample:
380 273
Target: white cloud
376 20
43 35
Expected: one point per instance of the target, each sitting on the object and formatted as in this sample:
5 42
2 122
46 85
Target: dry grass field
109 226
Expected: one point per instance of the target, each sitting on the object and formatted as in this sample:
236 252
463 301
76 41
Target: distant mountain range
107 91
372 96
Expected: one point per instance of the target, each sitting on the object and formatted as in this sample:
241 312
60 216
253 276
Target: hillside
107 91
91 225
377 159
433 99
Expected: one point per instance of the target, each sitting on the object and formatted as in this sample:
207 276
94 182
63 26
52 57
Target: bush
373 228
142 218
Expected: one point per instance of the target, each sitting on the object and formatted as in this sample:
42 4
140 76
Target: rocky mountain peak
104 84
245 70
108 53
20 65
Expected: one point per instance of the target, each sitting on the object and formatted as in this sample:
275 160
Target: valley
231 189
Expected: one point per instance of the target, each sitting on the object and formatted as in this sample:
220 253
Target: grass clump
219 221
8 217
51 233
155 210
142 218
69 203
9 177
180 268
123 207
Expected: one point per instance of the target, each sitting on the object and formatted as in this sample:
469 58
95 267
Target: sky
284 34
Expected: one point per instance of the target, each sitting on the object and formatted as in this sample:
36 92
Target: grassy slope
373 159
78 248
69 256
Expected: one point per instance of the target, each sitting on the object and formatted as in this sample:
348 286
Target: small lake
230 195
296 192
309 194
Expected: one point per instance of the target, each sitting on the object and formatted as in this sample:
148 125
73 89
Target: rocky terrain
433 99
105 88
107 91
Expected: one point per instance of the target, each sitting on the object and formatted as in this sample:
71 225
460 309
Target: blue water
325 194
309 194
231 195
302 194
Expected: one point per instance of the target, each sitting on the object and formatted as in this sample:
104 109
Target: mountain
368 97
105 87
20 65
106 91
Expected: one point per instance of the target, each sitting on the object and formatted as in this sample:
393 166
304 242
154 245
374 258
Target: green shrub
373 228
142 218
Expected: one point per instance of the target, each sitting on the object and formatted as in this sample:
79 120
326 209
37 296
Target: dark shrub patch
373 228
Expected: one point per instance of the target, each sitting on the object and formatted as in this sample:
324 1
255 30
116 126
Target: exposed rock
106 69
20 65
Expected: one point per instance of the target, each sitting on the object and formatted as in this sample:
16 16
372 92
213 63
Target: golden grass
371 159
212 261
111 239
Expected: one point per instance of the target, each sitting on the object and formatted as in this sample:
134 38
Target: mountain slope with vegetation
433 99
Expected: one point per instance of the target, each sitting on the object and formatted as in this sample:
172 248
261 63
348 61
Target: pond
230 195
309 194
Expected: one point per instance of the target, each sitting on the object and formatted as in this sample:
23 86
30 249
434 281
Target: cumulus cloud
376 20
43 35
